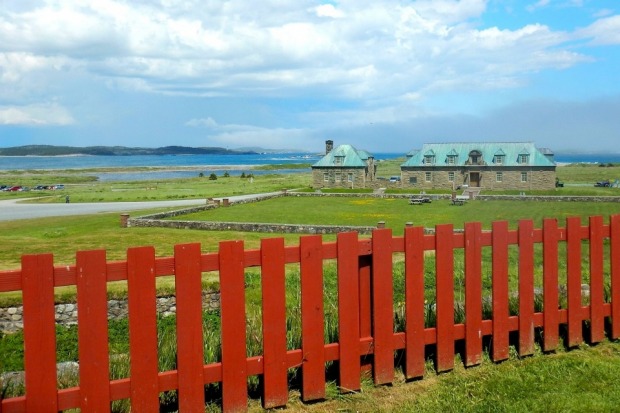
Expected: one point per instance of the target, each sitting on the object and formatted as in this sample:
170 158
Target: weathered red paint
444 269
573 280
39 333
526 287
312 318
273 287
500 291
142 329
234 354
93 331
597 296
383 306
414 302
550 284
473 293
348 312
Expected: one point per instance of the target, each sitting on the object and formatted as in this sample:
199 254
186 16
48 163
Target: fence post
415 344
444 269
275 381
526 287
614 254
142 329
473 294
597 295
39 333
93 331
382 306
312 318
550 284
573 280
348 312
232 303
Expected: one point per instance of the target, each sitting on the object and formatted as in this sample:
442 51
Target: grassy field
582 380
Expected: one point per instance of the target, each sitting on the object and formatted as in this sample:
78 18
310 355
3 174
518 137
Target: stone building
489 166
343 167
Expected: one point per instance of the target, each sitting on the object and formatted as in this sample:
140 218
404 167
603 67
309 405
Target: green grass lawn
397 212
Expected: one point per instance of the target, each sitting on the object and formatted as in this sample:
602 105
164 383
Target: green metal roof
509 150
349 157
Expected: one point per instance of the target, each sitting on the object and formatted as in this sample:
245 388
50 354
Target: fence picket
93 331
142 328
39 333
444 268
234 354
414 302
348 312
190 350
383 306
312 318
273 287
526 287
573 280
500 291
597 289
473 294
614 257
550 284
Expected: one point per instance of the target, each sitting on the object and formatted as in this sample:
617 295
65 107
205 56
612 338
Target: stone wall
11 318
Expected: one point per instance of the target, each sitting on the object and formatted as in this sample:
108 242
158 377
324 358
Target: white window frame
325 177
350 177
499 159
451 176
523 159
338 177
428 176
523 176
499 176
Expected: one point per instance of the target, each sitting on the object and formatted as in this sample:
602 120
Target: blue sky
385 76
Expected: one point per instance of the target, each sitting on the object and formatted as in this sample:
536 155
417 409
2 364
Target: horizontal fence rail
465 292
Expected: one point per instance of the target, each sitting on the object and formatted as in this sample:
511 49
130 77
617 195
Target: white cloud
36 115
328 10
605 31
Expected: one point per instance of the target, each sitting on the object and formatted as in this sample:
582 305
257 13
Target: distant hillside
50 150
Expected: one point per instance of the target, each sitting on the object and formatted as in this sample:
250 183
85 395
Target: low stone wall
11 318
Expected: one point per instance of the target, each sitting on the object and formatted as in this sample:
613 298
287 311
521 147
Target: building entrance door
474 179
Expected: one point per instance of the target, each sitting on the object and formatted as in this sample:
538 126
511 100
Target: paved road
15 209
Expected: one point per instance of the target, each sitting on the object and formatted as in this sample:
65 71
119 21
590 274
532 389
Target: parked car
394 178
605 183
16 188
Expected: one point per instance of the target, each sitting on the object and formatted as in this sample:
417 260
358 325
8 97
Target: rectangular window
451 176
338 177
523 176
499 176
326 177
499 159
350 177
451 160
413 179
427 176
523 159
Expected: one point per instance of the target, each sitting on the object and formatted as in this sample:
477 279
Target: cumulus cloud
36 115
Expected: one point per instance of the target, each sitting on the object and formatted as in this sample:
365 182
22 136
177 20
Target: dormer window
499 157
429 158
475 157
338 160
524 159
452 157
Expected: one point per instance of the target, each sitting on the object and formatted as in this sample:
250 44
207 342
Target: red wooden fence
365 311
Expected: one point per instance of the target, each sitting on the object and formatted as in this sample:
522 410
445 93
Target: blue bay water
189 165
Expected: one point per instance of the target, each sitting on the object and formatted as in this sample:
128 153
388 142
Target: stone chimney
329 145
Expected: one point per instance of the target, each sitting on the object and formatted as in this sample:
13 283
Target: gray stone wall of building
511 179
